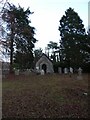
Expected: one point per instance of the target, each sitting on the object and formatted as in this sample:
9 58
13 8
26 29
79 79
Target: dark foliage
73 37
20 35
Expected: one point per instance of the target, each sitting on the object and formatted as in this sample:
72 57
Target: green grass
49 96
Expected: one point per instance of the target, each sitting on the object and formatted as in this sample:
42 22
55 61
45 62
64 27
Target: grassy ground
49 96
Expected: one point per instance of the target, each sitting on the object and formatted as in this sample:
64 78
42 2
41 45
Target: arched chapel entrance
44 67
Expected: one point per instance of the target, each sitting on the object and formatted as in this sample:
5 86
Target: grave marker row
70 70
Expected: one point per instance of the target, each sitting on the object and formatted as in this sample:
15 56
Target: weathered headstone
38 71
60 70
42 72
65 70
71 70
17 72
37 68
79 71
79 77
28 71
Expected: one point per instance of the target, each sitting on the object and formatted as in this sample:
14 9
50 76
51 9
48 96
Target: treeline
74 48
19 41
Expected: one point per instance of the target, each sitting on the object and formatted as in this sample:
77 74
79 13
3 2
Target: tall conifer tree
72 34
20 35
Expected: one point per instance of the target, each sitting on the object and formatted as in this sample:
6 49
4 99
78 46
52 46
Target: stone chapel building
44 63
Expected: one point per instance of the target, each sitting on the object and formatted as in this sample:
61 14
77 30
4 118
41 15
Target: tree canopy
72 34
20 35
52 45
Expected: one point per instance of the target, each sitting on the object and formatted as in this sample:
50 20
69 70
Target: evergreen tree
37 54
54 47
86 47
20 35
72 34
2 30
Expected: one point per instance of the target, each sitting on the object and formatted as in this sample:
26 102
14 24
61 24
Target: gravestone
42 72
65 70
37 68
27 72
71 70
17 72
79 71
79 77
60 70
38 71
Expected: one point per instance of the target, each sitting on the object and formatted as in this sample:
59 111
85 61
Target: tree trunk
60 59
11 50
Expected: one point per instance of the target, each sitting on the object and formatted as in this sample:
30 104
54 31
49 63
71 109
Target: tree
86 49
87 46
2 6
37 54
53 46
20 35
72 34
2 30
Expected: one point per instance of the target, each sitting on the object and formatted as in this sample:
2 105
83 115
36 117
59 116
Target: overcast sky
47 14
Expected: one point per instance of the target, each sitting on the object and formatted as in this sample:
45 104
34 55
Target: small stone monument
17 72
79 77
37 68
71 70
42 72
60 70
27 72
65 70
38 71
79 71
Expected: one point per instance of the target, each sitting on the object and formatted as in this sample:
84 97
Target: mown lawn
48 96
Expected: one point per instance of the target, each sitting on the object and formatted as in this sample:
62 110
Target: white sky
47 14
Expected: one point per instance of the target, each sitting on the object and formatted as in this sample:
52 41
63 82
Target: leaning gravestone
42 72
79 77
71 70
60 70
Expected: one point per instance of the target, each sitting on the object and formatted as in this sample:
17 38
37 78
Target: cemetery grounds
45 96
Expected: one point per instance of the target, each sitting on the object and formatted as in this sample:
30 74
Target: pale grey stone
17 72
42 72
71 70
79 71
60 70
65 70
